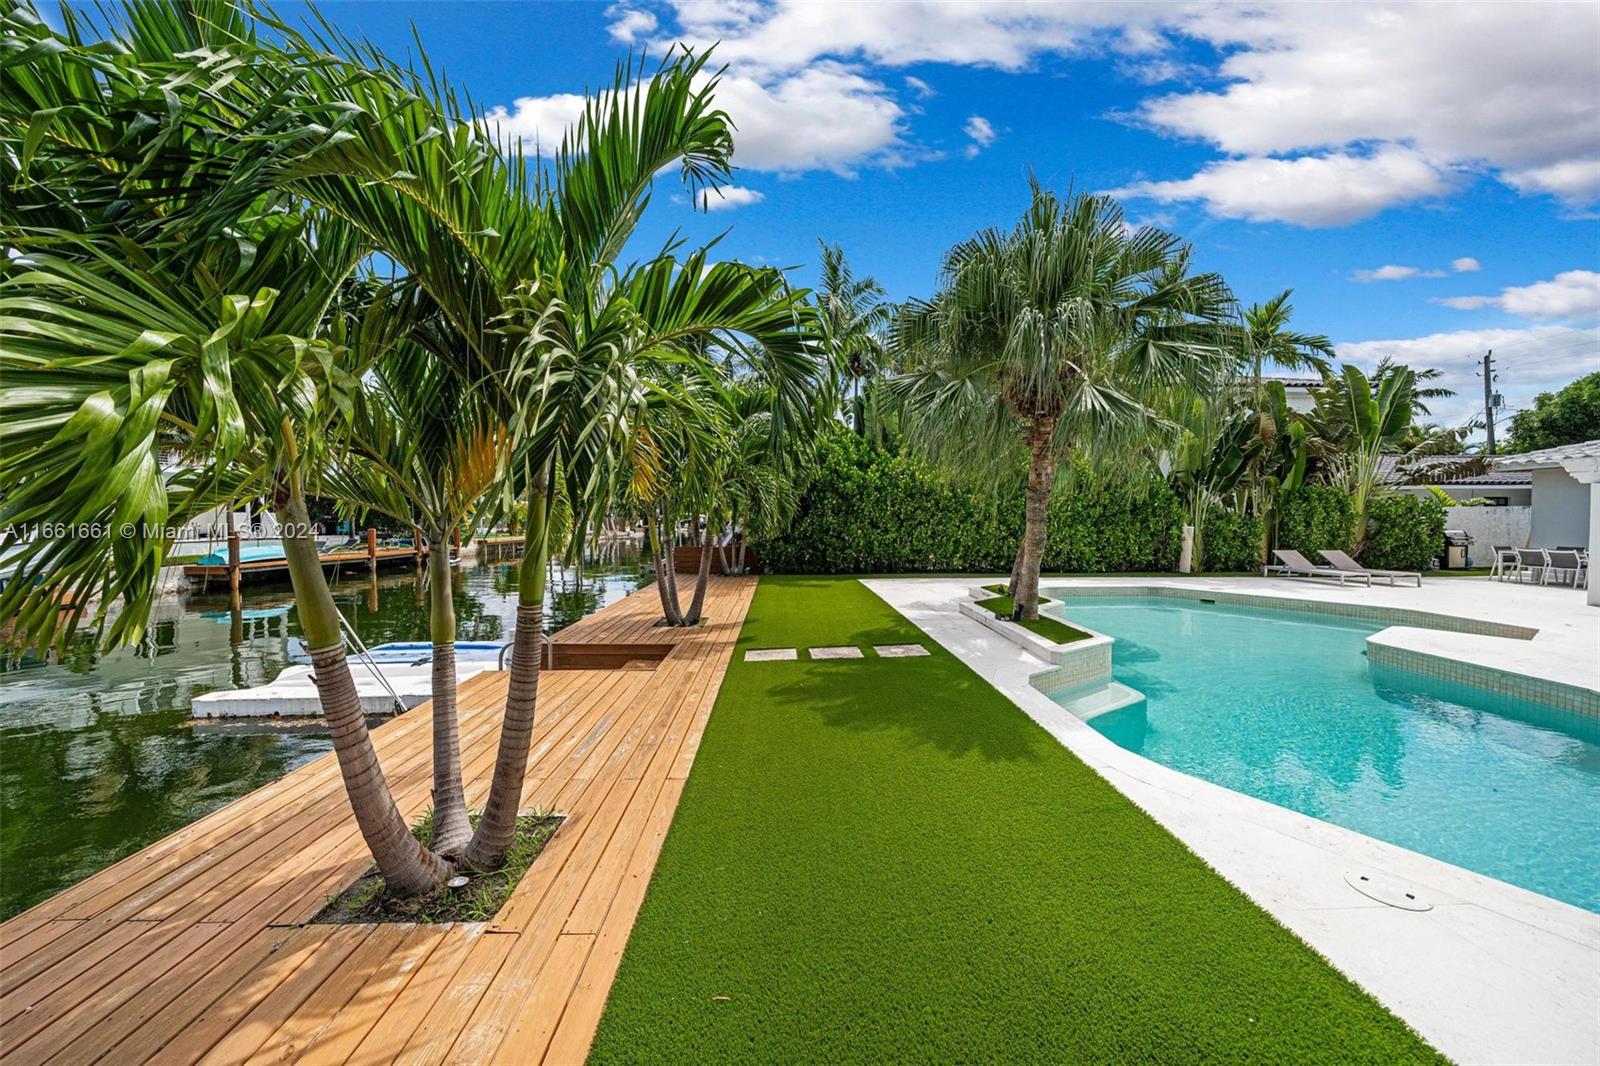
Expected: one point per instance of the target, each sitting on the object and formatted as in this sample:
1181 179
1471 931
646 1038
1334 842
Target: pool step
1097 698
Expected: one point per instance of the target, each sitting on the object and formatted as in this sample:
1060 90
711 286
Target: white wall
1560 510
1489 526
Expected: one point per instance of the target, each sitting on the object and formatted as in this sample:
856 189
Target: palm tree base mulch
366 901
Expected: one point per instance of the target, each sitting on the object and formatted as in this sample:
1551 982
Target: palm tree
853 315
759 493
425 453
1057 334
667 408
239 364
1264 337
169 302
518 263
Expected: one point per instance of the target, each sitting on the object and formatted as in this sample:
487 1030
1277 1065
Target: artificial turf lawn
884 860
1002 605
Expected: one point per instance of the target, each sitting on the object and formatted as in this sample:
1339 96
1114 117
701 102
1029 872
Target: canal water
98 754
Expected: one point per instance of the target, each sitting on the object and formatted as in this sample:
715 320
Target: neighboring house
1297 391
1496 488
1494 508
1566 507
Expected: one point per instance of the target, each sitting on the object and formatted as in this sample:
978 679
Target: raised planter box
1079 663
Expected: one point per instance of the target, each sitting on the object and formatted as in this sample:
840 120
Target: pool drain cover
1388 890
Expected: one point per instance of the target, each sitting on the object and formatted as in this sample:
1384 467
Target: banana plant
1215 455
1378 420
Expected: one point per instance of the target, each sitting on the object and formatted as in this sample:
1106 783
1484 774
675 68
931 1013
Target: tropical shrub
870 509
1314 517
1231 540
1404 532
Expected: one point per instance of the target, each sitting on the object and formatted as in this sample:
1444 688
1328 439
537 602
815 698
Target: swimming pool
1282 705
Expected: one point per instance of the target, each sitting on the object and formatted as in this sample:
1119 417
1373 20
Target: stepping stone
899 651
846 652
769 655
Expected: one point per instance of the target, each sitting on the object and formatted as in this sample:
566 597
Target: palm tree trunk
669 534
497 828
407 867
1041 475
451 828
738 552
1016 572
663 561
723 542
701 580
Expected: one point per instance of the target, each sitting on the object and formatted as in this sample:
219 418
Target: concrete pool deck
1492 973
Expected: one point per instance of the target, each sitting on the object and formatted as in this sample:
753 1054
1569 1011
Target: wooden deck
193 950
355 560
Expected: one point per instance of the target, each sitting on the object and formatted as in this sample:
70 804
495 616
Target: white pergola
1582 462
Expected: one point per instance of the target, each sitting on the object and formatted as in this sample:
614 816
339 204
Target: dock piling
233 563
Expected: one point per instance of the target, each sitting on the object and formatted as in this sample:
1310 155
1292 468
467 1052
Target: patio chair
1341 561
1533 562
1567 561
1504 556
1297 565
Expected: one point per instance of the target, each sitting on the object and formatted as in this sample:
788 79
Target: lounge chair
1505 557
1297 565
1566 561
1341 561
1532 561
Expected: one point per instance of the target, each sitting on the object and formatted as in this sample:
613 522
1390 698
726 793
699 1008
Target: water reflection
98 756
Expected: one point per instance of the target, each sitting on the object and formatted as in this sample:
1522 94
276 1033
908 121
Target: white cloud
825 118
1465 265
789 35
538 122
1316 191
727 198
630 24
981 132
1395 272
1527 362
1570 294
1576 181
1393 96
1502 85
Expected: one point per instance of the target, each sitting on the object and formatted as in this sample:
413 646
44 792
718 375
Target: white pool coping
1492 973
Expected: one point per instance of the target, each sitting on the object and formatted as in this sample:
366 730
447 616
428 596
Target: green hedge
1314 517
872 511
1231 540
1404 532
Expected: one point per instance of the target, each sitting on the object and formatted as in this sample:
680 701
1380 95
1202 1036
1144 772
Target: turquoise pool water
1284 706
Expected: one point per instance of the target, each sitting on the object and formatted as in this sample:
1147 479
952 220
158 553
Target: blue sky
1304 146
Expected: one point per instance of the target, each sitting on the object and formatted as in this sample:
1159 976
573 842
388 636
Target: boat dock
198 947
236 569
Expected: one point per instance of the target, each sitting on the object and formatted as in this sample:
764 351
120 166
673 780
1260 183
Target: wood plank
581 1019
352 1024
305 1024
241 1038
388 1039
529 1035
432 1041
180 952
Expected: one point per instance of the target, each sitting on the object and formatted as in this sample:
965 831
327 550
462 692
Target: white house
1566 507
1297 391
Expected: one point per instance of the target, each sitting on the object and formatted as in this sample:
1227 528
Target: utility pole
1488 399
